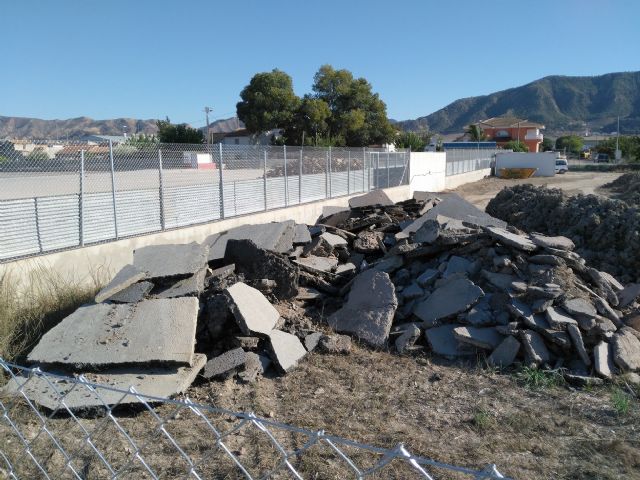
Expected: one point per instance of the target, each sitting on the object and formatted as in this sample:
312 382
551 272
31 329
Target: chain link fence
164 438
463 160
79 194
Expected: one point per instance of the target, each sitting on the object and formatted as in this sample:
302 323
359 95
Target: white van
561 165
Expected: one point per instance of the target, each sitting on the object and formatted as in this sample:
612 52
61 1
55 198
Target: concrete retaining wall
427 171
545 162
106 259
454 181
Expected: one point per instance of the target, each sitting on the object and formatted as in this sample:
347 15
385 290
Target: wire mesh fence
463 160
132 435
81 194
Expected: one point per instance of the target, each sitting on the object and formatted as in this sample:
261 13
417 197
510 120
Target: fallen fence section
169 438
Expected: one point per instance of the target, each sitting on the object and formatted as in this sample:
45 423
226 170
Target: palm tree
476 134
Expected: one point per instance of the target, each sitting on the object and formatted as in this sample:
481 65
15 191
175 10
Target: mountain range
561 103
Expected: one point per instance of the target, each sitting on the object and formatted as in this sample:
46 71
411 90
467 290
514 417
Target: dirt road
479 193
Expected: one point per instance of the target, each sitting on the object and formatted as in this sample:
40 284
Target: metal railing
465 160
178 438
52 199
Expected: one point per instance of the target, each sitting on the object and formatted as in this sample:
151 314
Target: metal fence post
221 181
113 190
300 177
376 183
264 176
286 181
330 173
388 174
38 224
326 176
81 202
161 189
349 173
364 167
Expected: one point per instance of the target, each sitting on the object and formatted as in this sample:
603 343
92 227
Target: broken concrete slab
307 294
428 277
126 277
428 232
133 293
286 350
301 235
368 242
443 341
456 265
628 295
389 264
149 381
346 268
251 309
267 236
369 310
336 344
501 281
454 206
168 261
370 199
226 363
604 309
336 241
412 291
626 349
580 307
615 284
578 343
407 338
187 287
254 366
319 264
485 338
511 239
317 247
453 298
559 242
311 341
257 263
504 354
558 319
603 360
536 351
150 332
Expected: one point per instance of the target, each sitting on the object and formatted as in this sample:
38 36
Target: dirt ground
479 193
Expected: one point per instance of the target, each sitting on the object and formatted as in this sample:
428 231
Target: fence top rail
22 375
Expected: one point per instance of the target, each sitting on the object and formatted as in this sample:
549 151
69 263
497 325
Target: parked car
602 158
561 165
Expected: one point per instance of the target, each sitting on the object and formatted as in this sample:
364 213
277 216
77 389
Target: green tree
310 121
182 133
415 141
547 145
629 146
572 143
38 156
7 151
357 114
268 102
516 146
476 134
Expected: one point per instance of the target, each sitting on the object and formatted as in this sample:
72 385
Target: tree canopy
415 141
342 110
629 146
516 146
476 134
182 133
572 143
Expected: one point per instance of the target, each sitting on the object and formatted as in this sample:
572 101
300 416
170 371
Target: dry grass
30 308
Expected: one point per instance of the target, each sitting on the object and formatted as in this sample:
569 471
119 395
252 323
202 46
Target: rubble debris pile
430 274
604 230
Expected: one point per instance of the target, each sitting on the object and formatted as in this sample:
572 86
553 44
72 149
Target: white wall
454 181
545 162
427 171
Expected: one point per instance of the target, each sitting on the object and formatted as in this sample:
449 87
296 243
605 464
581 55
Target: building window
502 134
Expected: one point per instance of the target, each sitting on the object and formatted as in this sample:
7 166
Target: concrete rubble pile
431 274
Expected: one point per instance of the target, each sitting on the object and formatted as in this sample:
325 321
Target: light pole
207 110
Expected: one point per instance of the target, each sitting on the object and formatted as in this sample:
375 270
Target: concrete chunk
485 338
311 341
133 293
191 286
511 239
152 331
427 277
629 295
161 261
578 343
626 349
369 310
443 342
254 366
408 338
320 264
560 243
558 319
603 360
285 349
501 281
453 298
301 235
370 199
267 236
123 279
456 265
334 240
225 363
154 381
535 349
580 307
504 354
252 310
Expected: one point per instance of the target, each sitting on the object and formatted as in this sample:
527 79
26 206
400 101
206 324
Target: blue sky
149 59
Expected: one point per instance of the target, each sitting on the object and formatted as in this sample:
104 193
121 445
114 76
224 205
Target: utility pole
618 154
207 110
